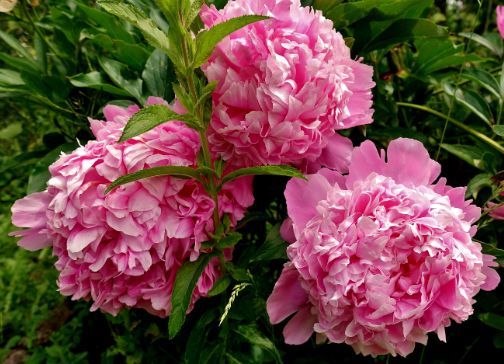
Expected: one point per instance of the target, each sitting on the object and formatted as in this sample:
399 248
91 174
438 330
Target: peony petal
287 297
299 328
408 162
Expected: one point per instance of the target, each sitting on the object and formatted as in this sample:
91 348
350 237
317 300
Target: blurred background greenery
438 69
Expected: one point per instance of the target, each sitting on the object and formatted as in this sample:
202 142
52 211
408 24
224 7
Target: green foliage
185 282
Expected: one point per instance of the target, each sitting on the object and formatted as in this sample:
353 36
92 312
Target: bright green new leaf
150 117
208 39
185 281
175 171
276 170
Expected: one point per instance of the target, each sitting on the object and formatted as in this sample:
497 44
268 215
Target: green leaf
493 251
470 154
135 16
40 173
208 39
170 9
21 64
197 337
404 30
175 171
185 281
492 320
255 337
229 241
499 130
133 55
190 10
276 170
477 183
95 81
10 78
11 131
348 13
498 340
183 96
484 79
206 93
220 286
486 42
274 247
114 70
155 74
110 23
150 117
473 101
18 47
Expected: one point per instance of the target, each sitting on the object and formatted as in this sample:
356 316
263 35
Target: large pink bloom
380 257
124 249
284 85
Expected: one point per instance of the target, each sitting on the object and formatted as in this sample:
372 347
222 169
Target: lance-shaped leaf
208 39
185 281
190 10
150 117
175 171
149 29
276 170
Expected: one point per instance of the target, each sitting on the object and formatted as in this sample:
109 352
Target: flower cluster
285 85
380 254
124 248
380 257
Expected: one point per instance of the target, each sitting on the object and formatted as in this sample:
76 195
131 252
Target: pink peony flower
124 249
284 85
500 20
380 257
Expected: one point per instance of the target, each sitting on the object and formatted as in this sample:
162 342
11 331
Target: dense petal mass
284 85
123 249
384 255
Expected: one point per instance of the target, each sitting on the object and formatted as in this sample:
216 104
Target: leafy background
438 69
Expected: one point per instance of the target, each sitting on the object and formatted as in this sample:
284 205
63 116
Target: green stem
457 123
199 112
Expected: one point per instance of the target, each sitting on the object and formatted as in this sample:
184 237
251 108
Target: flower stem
199 113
